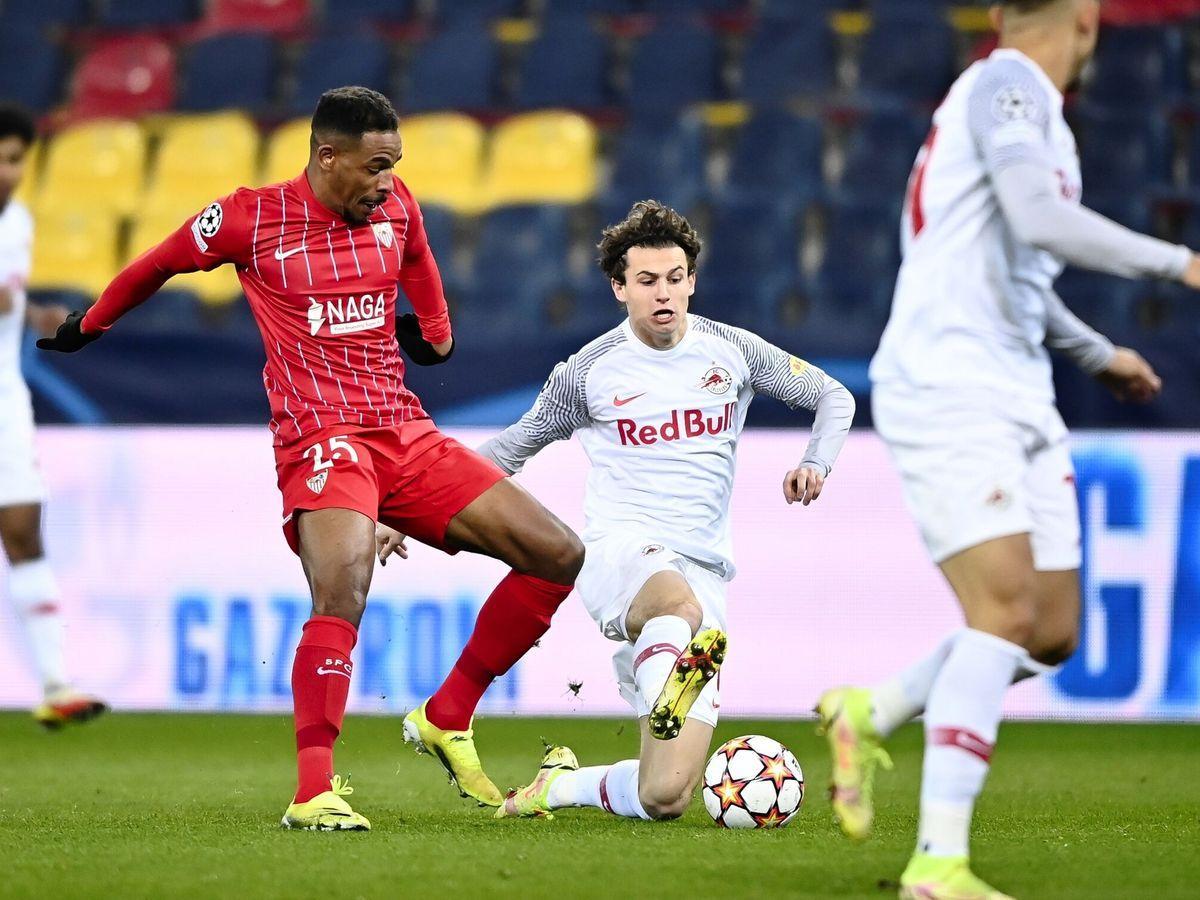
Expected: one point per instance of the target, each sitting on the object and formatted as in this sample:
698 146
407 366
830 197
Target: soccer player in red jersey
320 258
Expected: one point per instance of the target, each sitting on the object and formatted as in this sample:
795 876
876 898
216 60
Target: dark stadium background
786 128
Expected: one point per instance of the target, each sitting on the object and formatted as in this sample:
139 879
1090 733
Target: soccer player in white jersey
658 403
963 397
31 584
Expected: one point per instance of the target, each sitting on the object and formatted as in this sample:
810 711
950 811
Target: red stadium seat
124 78
274 16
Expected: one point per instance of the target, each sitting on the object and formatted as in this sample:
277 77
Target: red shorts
410 477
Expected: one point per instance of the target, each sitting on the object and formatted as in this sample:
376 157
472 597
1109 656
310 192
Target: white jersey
970 305
16 250
661 428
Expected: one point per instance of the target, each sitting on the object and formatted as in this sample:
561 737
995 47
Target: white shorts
614 570
20 479
975 469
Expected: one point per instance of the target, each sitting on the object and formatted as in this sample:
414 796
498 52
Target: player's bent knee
665 804
1058 650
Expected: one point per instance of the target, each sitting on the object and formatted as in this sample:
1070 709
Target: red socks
512 619
320 685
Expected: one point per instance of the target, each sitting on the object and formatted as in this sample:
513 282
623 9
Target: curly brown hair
649 224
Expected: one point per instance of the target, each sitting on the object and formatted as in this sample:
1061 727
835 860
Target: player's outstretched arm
1010 118
210 238
560 408
425 337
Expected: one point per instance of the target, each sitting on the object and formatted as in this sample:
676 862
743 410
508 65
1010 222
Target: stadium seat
1122 154
30 187
565 65
201 158
99 165
1137 69
335 60
455 69
443 160
450 10
124 77
1107 303
519 244
879 153
777 156
18 14
215 288
74 248
787 57
146 13
752 251
287 151
354 14
861 255
694 6
274 16
666 164
229 71
919 66
32 69
546 157
674 65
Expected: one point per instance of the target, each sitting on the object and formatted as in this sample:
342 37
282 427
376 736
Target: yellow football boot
697 666
456 752
65 706
944 878
845 720
533 800
327 811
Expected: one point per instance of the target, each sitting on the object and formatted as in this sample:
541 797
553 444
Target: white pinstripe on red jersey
345 367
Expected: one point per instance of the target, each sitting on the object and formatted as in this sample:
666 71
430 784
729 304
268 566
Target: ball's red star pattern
732 747
771 819
729 792
777 770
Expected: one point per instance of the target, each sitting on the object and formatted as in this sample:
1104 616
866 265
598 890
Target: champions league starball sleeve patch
207 224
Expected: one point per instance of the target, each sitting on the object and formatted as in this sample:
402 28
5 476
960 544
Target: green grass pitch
188 806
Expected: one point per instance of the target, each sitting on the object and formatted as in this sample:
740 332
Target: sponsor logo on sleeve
207 224
798 365
1012 103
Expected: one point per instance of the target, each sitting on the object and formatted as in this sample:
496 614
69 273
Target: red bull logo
684 423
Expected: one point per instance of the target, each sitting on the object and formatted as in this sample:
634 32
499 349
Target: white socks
34 593
655 652
611 788
903 696
962 718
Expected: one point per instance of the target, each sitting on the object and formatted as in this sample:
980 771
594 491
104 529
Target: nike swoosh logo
282 256
621 401
323 671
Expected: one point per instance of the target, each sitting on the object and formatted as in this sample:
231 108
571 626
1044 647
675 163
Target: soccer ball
753 782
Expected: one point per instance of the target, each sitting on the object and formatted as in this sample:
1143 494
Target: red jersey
323 292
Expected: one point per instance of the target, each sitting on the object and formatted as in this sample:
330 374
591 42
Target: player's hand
419 350
803 484
1130 378
45 319
69 337
389 541
1191 275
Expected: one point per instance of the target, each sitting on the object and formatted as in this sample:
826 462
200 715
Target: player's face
360 172
13 152
656 292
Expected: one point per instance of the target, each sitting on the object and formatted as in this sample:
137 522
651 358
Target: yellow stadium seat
200 158
216 288
27 190
443 160
75 247
542 157
99 165
287 151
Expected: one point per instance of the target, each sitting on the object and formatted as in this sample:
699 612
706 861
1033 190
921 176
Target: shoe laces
341 786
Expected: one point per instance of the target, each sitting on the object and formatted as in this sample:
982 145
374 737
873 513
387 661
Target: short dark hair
17 121
649 224
352 112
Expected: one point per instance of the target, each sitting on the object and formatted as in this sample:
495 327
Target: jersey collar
645 349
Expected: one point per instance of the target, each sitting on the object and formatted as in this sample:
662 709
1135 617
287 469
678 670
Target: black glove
69 337
419 350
